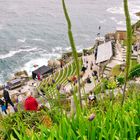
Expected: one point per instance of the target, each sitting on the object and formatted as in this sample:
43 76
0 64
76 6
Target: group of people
30 103
5 101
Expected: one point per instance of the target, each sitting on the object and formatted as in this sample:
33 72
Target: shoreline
29 66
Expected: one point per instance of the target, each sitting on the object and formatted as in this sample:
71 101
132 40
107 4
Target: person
69 80
30 103
95 74
58 87
3 106
91 65
61 63
88 79
38 77
83 69
8 99
53 81
91 98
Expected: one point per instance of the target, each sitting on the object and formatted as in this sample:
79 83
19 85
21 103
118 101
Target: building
121 33
42 71
104 52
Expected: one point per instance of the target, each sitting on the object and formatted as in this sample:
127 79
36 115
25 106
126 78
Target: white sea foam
12 53
50 55
79 48
21 40
57 49
114 19
133 8
122 23
29 66
68 49
102 21
38 39
115 10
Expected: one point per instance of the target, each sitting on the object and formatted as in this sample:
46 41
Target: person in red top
30 103
38 77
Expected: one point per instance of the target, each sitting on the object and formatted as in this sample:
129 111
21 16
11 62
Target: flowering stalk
129 44
74 51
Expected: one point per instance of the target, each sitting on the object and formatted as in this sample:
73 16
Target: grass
115 71
112 122
60 78
133 63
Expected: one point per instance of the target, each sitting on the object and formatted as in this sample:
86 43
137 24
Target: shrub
111 84
134 72
120 80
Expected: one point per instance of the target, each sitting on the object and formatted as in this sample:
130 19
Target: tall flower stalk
129 44
74 51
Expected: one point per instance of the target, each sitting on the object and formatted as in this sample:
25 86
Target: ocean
34 31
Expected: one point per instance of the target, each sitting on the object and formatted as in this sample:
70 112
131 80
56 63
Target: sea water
34 31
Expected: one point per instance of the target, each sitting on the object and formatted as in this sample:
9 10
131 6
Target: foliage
133 63
101 87
115 71
136 25
120 80
111 122
111 84
21 122
134 72
105 84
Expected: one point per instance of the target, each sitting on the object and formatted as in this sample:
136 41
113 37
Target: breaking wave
12 53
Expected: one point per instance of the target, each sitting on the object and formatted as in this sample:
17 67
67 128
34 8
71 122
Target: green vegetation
129 45
116 71
134 72
74 51
133 63
106 119
136 25
111 122
120 80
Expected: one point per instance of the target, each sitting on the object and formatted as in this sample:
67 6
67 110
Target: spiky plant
74 51
129 45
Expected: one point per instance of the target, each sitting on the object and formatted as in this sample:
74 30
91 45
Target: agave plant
74 51
129 44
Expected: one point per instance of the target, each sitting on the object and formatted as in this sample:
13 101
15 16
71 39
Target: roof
42 70
104 52
15 81
122 29
138 14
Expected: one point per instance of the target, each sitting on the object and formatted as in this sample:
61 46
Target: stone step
133 55
123 50
106 72
123 55
108 68
123 58
104 75
134 58
119 60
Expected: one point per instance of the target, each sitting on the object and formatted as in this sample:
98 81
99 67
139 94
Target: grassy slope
111 122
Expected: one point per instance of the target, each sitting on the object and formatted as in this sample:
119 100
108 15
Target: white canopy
104 52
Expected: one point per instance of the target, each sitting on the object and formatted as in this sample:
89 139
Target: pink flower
91 117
